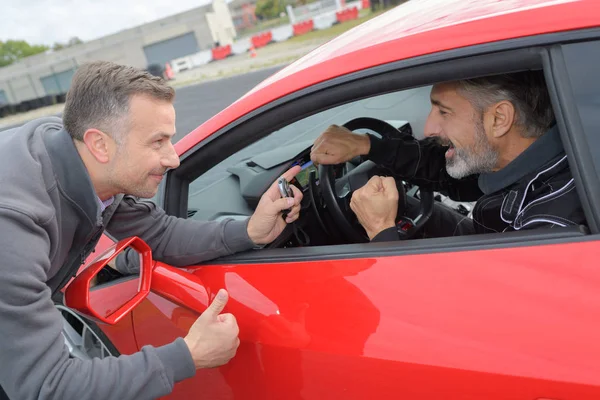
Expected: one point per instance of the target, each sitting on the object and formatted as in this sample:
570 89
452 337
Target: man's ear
98 144
503 114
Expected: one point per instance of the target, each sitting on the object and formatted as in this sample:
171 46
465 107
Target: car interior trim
485 241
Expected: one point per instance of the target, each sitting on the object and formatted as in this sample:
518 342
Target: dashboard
237 193
302 178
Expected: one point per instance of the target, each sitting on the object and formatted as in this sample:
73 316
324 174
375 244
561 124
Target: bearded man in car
493 140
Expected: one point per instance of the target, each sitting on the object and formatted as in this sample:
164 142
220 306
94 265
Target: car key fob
286 191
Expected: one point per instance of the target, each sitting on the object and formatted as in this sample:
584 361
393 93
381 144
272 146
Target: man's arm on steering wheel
420 162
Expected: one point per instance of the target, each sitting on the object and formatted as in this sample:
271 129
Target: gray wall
58 83
159 41
170 49
3 97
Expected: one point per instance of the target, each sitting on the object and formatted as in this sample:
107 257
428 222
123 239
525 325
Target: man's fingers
285 203
317 142
324 159
229 319
353 202
273 192
297 194
389 185
291 173
293 214
375 182
218 304
388 182
288 203
371 187
291 218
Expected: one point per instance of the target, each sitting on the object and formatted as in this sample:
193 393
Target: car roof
415 28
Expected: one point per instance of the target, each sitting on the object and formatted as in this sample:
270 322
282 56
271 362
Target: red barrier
366 4
219 53
303 27
262 39
168 72
347 15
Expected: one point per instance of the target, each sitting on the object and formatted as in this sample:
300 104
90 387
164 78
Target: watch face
404 225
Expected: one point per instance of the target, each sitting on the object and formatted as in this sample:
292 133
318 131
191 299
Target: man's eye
442 112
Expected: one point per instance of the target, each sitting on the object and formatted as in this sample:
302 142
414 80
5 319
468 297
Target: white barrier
201 58
282 33
240 46
309 11
324 21
357 4
181 64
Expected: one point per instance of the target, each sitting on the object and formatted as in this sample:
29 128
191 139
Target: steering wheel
338 192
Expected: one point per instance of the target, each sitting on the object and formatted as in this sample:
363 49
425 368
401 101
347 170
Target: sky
50 21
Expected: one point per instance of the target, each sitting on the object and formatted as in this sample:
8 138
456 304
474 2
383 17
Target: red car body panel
376 327
413 29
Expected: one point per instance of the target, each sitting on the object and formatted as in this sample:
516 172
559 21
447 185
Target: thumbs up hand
213 338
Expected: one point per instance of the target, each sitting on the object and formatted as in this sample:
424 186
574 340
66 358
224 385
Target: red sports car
324 314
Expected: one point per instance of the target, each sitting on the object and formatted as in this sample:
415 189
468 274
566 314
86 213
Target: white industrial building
156 42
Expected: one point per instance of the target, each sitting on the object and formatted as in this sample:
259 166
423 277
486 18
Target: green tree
13 50
268 9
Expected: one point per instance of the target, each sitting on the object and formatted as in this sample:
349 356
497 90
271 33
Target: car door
497 323
496 316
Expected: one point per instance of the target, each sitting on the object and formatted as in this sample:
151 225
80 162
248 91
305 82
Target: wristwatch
404 227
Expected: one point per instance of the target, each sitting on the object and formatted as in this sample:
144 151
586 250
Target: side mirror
110 303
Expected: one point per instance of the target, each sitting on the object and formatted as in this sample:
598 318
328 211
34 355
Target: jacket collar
71 174
514 202
538 154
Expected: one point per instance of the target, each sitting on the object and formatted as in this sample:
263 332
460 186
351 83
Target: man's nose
171 159
432 128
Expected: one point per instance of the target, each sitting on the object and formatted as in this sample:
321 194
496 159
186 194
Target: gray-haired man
492 140
61 187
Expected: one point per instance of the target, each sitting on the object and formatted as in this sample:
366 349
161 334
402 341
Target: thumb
375 183
218 304
389 184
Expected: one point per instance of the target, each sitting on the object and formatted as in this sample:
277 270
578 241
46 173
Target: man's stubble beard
480 158
122 184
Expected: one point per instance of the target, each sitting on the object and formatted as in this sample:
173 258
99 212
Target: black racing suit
535 190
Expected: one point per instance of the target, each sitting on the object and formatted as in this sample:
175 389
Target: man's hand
337 145
376 205
267 223
213 338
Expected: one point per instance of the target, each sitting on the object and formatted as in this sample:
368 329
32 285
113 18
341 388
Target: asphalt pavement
196 104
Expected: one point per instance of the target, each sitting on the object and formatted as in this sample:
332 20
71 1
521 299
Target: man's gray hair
99 97
527 92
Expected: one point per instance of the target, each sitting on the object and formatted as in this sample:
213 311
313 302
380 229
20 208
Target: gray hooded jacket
50 221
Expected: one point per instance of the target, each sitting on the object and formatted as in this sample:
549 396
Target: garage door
58 83
3 98
167 50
